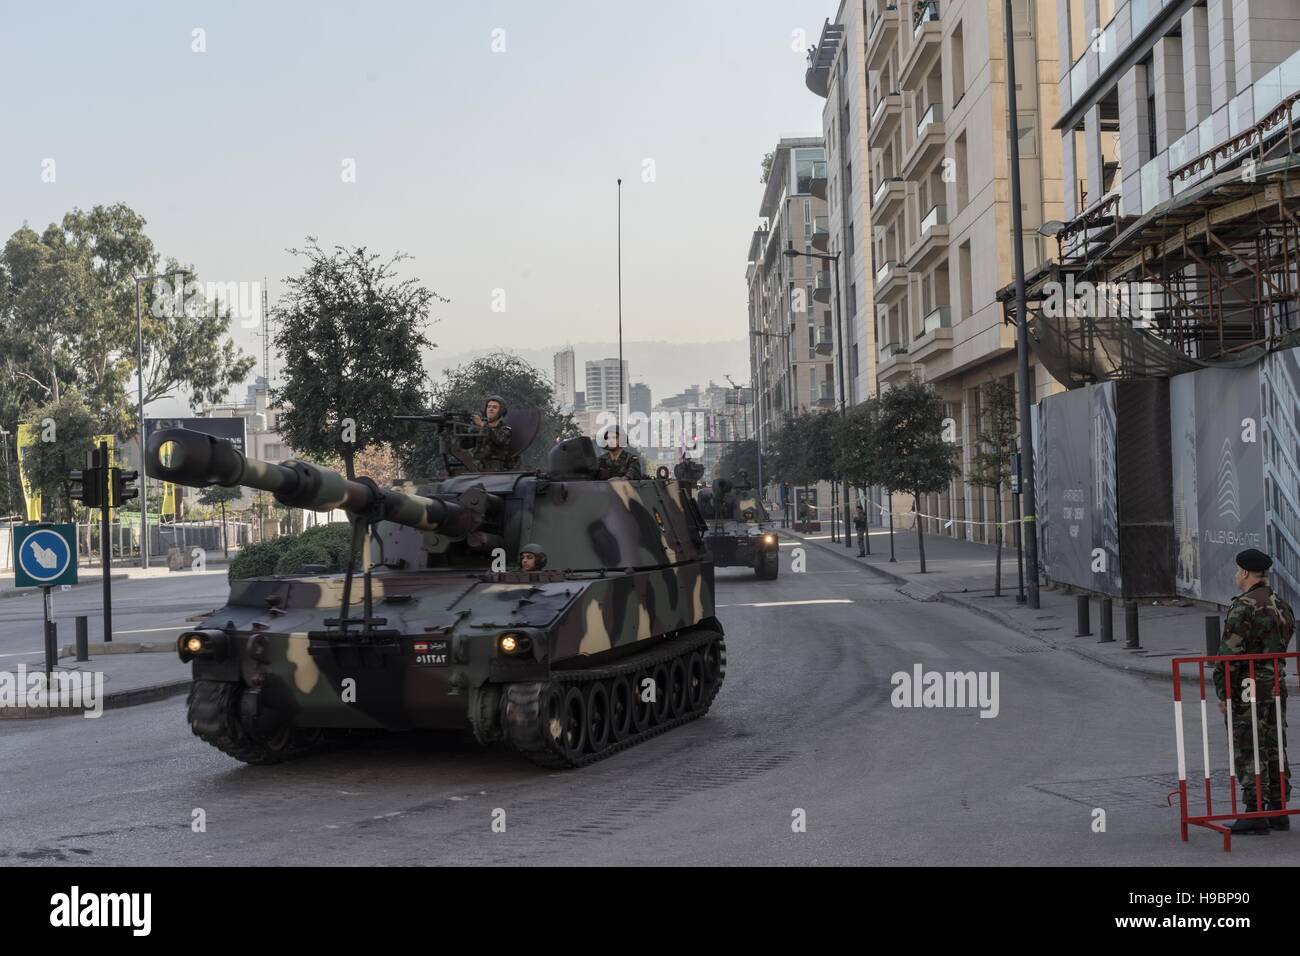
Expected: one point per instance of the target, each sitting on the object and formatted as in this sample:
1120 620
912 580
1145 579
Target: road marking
25 654
788 603
151 630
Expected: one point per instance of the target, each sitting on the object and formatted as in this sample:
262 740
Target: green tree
219 495
912 454
465 389
995 443
67 320
743 456
351 335
857 458
67 430
767 167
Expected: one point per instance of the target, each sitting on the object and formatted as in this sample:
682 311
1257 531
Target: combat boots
1252 827
1281 822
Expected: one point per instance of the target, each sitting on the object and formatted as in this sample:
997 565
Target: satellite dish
524 424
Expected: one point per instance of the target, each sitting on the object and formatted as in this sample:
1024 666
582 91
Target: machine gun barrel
196 460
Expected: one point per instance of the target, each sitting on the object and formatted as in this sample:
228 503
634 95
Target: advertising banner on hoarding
231 429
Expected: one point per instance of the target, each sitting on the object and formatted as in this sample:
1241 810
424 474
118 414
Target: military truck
741 533
612 641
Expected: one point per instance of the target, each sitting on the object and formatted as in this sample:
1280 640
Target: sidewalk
94 576
962 572
129 678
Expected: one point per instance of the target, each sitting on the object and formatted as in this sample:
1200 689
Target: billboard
231 429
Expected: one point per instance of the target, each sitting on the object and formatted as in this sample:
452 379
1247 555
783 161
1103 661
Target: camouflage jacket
1258 622
492 449
627 465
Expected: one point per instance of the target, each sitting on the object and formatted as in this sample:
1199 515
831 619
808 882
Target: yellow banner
27 436
112 460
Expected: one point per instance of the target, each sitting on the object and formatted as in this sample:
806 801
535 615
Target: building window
964 279
958 48
1028 135
963 191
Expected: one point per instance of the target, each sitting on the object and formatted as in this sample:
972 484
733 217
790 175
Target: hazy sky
495 170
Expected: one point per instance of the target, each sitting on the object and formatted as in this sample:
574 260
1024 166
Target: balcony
822 287
927 37
888 195
817 181
808 179
932 240
881 35
825 343
821 233
935 335
817 76
884 118
825 395
895 363
930 138
891 278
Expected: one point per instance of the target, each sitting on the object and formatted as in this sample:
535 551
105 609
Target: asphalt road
804 723
143 610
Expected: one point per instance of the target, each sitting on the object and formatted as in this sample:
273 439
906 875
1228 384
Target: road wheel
598 720
642 710
677 687
660 706
620 709
551 713
694 680
712 657
573 738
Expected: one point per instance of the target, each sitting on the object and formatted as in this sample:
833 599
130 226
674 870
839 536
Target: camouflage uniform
626 465
492 449
1258 622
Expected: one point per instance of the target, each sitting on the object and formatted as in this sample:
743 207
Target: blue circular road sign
44 555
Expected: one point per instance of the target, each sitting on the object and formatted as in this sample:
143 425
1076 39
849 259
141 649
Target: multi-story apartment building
606 386
836 72
938 183
790 299
566 381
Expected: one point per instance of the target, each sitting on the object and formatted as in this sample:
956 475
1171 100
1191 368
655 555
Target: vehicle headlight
208 643
769 539
514 643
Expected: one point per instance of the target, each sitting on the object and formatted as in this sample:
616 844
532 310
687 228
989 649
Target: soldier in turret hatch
491 448
532 558
617 461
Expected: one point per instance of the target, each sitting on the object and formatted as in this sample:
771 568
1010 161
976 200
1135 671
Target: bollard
1131 626
1084 628
1107 621
51 646
1211 635
83 638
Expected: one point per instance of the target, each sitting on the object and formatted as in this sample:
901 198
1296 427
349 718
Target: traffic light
123 485
86 485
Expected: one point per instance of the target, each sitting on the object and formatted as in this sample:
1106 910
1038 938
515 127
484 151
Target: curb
124 647
112 701
97 582
951 597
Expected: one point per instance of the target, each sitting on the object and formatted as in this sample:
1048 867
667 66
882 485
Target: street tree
792 455
743 456
351 335
913 455
66 431
995 443
857 458
67 320
466 388
220 495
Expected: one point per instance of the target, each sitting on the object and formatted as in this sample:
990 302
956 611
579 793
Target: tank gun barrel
196 460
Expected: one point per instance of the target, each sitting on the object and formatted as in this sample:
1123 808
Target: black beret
1254 560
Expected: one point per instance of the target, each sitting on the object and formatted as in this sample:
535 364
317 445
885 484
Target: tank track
525 724
213 711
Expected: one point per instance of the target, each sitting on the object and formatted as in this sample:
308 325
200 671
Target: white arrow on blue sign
46 556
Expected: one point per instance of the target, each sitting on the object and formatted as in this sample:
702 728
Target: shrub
300 554
257 560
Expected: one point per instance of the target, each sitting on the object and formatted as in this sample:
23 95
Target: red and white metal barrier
1209 818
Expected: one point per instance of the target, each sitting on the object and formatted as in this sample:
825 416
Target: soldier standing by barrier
1258 622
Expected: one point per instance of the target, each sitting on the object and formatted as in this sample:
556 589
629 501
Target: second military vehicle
741 533
611 641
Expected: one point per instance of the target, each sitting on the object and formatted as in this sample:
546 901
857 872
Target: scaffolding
1208 277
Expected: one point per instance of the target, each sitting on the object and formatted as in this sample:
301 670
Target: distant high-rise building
606 388
579 401
640 398
565 380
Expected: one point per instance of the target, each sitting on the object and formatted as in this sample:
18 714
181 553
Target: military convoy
611 640
741 533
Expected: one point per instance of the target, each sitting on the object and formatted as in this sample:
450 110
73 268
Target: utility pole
1022 323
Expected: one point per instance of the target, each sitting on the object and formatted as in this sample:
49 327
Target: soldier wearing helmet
532 558
617 461
491 447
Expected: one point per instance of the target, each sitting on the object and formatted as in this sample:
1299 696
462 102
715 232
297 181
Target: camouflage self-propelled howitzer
741 533
612 642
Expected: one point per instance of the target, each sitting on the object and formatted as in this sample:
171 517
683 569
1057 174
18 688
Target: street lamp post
1022 326
139 385
834 258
